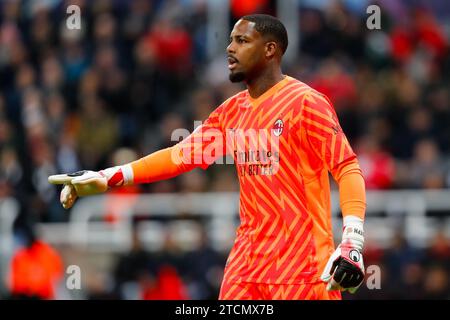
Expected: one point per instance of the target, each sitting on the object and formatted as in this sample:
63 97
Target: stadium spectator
36 270
377 165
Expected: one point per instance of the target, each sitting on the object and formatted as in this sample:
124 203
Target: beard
237 77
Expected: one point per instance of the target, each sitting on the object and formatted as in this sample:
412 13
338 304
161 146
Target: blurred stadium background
115 91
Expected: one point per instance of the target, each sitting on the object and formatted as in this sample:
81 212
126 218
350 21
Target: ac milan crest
278 127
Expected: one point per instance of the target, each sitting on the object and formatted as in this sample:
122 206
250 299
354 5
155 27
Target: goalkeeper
284 245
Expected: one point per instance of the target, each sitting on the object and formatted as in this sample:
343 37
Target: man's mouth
232 62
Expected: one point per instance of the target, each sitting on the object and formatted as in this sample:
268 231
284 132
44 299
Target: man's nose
230 48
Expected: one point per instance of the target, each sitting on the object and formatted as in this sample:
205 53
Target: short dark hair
269 26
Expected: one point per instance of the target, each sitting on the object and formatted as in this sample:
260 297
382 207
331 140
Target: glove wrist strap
353 231
118 176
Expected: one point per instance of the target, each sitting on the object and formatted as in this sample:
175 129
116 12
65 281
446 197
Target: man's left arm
320 124
345 268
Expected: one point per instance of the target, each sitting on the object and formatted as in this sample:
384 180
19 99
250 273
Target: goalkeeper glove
345 268
86 182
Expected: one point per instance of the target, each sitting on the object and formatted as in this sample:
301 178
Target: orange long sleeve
160 165
352 195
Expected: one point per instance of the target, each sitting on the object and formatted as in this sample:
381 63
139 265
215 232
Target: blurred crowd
116 89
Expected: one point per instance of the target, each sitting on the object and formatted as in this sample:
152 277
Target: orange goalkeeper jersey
283 144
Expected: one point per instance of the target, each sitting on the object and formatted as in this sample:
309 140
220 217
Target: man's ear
271 49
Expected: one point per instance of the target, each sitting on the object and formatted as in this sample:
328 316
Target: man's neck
257 86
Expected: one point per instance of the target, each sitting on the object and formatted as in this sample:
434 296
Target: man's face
245 52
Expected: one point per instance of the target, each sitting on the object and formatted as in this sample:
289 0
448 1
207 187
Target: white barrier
387 211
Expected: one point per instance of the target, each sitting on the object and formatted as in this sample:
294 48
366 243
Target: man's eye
242 41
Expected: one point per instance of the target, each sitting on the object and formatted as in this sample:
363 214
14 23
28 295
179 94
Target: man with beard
285 138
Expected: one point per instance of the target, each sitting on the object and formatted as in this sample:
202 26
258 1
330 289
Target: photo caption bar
223 310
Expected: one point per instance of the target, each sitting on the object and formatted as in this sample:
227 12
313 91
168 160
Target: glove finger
352 290
353 281
68 196
60 179
340 276
333 285
66 177
84 177
90 186
330 266
353 274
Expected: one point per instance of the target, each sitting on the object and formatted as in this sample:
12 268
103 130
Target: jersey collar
256 102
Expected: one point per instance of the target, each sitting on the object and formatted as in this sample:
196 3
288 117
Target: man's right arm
199 149
160 165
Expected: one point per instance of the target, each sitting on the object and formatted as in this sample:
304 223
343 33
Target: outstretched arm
199 149
160 165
